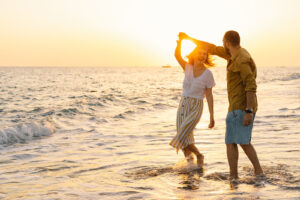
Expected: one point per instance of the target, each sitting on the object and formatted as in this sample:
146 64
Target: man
241 88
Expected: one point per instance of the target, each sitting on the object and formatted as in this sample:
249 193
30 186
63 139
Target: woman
197 84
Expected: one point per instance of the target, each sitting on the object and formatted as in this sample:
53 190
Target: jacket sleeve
248 77
213 49
218 50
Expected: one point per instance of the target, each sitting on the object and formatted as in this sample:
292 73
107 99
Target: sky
142 32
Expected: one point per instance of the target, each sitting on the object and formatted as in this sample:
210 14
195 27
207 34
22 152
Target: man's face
225 45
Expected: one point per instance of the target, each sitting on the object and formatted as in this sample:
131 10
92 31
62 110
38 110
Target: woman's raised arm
178 57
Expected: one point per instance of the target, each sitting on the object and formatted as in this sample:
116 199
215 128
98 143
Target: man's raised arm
211 48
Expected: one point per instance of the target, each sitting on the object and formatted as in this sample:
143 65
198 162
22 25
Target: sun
187 47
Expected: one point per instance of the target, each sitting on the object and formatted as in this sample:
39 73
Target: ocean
104 133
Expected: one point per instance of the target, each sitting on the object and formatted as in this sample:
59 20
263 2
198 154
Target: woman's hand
210 102
211 123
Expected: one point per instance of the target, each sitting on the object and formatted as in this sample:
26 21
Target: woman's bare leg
200 157
188 154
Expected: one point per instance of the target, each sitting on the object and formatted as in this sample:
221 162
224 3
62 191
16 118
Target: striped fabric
188 115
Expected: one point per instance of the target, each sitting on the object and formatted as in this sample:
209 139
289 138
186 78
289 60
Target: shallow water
103 133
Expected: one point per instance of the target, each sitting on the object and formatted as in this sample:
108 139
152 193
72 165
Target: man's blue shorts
236 132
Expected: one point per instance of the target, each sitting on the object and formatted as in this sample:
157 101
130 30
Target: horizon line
37 66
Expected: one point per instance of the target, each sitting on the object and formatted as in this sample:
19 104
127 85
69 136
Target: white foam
25 132
184 166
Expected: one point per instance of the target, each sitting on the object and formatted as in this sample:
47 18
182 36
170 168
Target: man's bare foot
260 177
233 177
258 172
234 182
200 160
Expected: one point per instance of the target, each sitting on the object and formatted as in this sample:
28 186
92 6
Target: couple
198 83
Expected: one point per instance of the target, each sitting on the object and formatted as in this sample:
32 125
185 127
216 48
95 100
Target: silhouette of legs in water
251 154
233 156
193 149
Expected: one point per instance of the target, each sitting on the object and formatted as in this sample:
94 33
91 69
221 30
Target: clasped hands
182 36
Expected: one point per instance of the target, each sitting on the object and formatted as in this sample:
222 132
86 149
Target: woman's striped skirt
188 115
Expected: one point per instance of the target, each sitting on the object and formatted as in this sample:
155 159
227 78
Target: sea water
104 133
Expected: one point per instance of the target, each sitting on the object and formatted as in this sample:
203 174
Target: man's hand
248 118
182 36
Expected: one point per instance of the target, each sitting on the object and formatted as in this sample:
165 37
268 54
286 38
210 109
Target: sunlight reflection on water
111 139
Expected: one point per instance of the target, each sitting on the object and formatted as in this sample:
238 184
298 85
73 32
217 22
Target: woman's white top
195 87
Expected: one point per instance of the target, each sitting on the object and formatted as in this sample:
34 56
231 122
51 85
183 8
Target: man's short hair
232 37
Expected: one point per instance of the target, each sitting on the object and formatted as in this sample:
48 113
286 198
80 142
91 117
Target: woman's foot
190 158
200 160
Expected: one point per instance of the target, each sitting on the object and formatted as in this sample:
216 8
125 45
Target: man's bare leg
233 156
251 154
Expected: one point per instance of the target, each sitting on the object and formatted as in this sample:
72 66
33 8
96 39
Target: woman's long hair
207 63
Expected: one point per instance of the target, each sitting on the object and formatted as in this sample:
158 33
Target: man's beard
227 51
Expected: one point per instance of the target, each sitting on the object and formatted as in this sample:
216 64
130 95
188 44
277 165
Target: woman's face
201 56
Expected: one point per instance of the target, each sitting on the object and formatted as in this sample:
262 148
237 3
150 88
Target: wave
290 77
51 112
69 110
119 116
282 116
286 109
293 76
25 132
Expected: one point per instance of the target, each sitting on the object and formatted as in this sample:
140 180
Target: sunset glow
141 32
187 47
